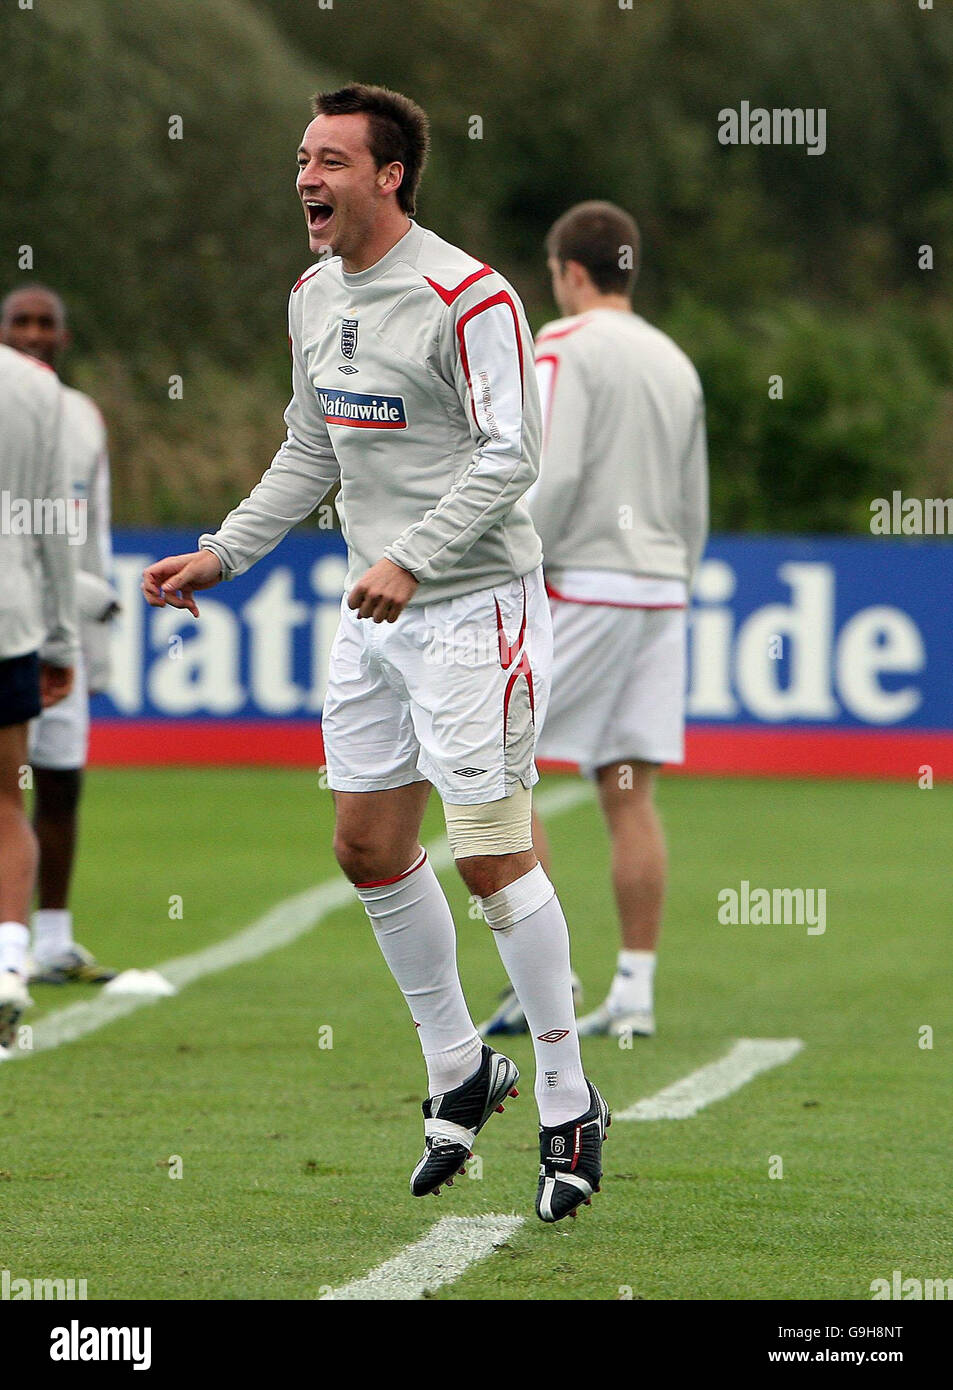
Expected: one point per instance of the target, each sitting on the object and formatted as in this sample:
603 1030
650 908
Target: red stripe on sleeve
448 295
501 297
550 335
303 280
549 357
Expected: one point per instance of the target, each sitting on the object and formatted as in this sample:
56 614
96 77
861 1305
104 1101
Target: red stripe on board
711 749
206 743
866 753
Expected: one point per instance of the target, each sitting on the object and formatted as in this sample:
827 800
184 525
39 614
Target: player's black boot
570 1165
452 1121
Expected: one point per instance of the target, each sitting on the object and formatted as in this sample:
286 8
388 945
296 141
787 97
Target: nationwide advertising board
826 656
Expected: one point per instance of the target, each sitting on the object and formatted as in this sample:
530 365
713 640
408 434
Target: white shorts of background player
59 736
618 689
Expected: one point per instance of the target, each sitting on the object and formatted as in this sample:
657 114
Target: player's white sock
533 941
14 940
52 933
414 929
631 988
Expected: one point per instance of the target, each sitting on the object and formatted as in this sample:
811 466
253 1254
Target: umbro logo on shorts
468 771
554 1035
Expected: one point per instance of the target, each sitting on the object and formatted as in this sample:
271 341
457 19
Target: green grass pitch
295 1157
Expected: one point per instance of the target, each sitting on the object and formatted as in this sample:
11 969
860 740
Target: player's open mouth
319 214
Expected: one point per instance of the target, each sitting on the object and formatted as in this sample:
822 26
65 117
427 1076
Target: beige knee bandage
492 827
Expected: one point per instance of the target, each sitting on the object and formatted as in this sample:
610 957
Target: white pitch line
746 1060
280 926
447 1250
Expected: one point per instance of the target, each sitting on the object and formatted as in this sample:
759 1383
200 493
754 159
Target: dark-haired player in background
621 506
413 385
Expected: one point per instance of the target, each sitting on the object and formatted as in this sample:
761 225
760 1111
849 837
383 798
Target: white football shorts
618 686
452 693
59 736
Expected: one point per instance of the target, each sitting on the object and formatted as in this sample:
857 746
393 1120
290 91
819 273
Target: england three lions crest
348 338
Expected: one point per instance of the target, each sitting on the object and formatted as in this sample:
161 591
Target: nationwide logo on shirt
363 412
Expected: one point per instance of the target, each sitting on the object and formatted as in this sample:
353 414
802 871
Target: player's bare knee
357 858
364 859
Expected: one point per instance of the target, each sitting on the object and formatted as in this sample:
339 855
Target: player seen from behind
621 506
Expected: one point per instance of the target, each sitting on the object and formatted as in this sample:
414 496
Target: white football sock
52 933
14 940
533 941
631 988
414 929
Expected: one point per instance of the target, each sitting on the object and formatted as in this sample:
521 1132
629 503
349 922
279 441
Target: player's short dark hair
597 235
398 130
32 287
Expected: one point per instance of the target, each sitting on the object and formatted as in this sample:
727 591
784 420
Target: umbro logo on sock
554 1035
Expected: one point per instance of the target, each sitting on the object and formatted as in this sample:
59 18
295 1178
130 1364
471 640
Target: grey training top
413 383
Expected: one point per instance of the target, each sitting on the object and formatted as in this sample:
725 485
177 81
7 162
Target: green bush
176 256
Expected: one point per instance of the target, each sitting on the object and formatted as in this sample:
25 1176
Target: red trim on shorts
383 882
508 655
610 603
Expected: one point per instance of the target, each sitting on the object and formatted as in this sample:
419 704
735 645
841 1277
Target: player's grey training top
37 581
87 475
623 483
413 382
